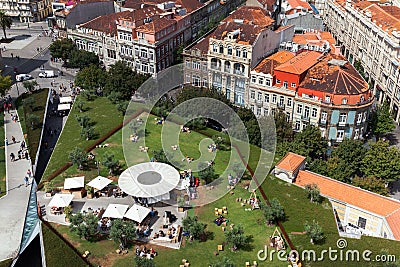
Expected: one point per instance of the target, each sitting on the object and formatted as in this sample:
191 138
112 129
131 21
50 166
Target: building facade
367 34
26 11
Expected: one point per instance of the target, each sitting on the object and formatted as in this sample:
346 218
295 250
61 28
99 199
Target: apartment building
26 11
369 33
239 42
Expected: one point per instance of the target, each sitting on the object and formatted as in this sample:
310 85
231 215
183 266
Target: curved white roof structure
99 182
150 179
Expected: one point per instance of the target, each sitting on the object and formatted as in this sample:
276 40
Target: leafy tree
236 237
382 120
309 143
123 106
314 231
88 132
371 184
122 232
82 58
163 106
29 102
251 125
83 120
88 95
78 157
123 79
339 170
350 152
85 226
224 262
178 54
195 124
274 212
222 141
283 127
33 120
111 163
80 104
144 262
160 156
319 166
62 48
91 78
5 22
207 173
30 85
5 84
195 228
313 192
382 161
115 97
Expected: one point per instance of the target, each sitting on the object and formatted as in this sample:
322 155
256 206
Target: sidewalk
13 206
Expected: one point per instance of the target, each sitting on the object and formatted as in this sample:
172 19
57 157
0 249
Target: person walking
26 180
6 141
12 157
23 144
13 139
26 155
29 173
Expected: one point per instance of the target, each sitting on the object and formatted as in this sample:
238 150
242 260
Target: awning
65 99
115 211
137 213
64 107
99 182
75 182
61 200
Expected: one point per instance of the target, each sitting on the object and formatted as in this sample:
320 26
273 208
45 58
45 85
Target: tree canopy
91 78
274 211
5 22
382 120
371 184
310 143
236 237
5 84
195 228
314 231
82 58
122 231
62 48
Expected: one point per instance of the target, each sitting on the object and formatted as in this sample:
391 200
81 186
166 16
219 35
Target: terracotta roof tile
105 23
250 15
334 79
190 5
300 63
290 162
299 3
155 25
355 196
248 33
315 38
267 65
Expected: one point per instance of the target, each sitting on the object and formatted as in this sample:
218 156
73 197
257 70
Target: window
314 112
266 112
278 81
237 52
293 85
187 78
230 50
340 135
253 79
221 49
344 101
244 53
196 81
299 109
285 84
297 126
281 101
252 108
356 133
268 82
215 48
361 222
258 113
364 116
289 102
327 99
306 112
259 96
342 118
266 98
273 98
359 117
252 94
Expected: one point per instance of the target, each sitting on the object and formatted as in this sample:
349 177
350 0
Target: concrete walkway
14 204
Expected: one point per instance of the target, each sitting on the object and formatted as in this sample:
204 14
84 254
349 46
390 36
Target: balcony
322 122
342 125
305 118
215 67
281 106
259 103
227 70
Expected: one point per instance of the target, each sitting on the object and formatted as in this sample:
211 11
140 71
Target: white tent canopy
61 200
64 107
99 182
149 180
137 213
75 182
65 99
115 211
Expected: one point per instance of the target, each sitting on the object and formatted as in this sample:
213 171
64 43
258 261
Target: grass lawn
33 136
57 252
2 158
104 117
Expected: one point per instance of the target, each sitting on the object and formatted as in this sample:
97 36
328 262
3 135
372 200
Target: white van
47 74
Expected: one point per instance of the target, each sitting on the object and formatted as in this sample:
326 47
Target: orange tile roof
299 3
251 15
380 205
315 38
106 23
300 63
290 162
267 65
281 56
155 25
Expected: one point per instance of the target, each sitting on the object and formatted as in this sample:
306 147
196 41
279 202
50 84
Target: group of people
144 252
143 230
134 138
232 181
170 233
188 159
212 148
22 151
185 129
7 105
105 224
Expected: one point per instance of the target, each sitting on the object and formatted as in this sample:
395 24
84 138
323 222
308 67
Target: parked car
22 77
47 74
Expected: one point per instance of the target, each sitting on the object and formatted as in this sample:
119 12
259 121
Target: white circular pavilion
151 180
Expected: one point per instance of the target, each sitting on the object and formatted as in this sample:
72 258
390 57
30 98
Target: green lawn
104 116
57 252
33 136
2 158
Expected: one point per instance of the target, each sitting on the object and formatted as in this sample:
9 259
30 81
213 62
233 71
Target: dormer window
328 99
362 98
215 48
244 53
238 52
344 101
221 48
230 50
